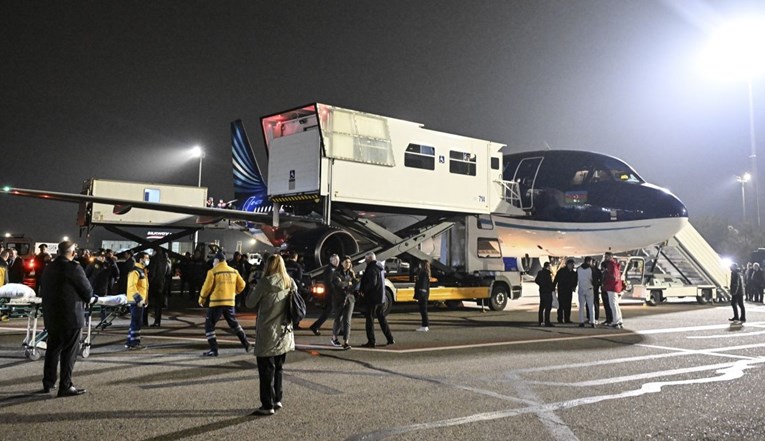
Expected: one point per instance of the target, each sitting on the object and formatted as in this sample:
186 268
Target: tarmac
676 371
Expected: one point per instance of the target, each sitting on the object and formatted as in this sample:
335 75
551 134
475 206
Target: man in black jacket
15 267
545 281
65 291
737 294
565 281
372 287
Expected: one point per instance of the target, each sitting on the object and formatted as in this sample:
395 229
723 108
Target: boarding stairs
688 257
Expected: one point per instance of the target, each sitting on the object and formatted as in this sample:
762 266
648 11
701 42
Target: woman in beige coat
273 335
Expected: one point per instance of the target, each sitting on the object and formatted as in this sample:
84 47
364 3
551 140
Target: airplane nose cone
663 204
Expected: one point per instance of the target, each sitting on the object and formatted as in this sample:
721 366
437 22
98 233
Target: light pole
197 152
735 51
743 179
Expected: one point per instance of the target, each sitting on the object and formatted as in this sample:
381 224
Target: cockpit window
608 171
621 171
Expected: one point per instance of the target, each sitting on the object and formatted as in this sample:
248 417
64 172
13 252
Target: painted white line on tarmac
730 335
549 419
727 374
716 352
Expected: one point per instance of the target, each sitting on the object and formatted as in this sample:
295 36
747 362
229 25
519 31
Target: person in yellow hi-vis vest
138 292
221 286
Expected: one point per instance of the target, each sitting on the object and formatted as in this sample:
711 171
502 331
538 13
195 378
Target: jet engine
316 245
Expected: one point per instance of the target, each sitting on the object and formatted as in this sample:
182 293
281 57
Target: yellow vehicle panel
446 293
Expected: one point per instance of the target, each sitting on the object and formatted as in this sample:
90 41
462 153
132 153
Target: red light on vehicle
31 264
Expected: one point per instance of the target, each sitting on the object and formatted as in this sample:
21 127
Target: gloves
138 300
93 299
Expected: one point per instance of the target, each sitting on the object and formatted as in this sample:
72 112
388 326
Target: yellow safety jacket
3 274
221 285
138 282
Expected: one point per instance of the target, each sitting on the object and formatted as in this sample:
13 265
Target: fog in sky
122 90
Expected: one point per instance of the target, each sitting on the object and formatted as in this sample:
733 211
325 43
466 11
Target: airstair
688 257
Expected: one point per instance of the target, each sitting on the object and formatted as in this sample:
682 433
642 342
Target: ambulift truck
399 190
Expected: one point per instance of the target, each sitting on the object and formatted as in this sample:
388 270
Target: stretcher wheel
85 352
32 353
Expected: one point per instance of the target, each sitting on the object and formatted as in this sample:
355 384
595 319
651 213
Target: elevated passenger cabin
373 161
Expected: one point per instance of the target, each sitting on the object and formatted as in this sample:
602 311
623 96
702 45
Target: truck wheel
499 296
705 297
656 297
388 301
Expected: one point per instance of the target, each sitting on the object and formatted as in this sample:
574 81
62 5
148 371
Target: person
41 259
125 264
422 293
221 286
372 287
243 267
197 273
597 282
100 274
345 280
331 293
565 283
612 283
65 291
748 282
758 282
544 280
159 268
274 336
737 294
4 267
586 293
137 292
604 295
15 267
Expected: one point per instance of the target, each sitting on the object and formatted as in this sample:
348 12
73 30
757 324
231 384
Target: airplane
566 202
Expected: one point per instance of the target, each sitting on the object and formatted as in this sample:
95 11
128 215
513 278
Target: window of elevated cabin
357 137
488 248
462 163
151 195
495 163
420 156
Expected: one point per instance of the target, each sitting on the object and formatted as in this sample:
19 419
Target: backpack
296 309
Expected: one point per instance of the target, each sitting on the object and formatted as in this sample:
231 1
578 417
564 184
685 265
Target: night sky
122 90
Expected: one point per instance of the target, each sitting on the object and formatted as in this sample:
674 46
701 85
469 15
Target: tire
705 297
388 301
656 297
85 351
499 297
33 354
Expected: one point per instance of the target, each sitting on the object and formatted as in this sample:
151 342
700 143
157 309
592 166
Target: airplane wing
122 206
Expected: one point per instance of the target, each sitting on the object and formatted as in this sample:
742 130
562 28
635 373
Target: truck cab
25 247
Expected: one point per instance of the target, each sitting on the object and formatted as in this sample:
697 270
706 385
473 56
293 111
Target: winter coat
584 279
422 286
612 277
373 283
565 280
545 281
272 336
65 291
138 283
736 284
222 284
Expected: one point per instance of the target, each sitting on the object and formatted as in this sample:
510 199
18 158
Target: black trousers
564 306
607 306
270 373
372 312
738 300
62 344
213 315
324 314
423 305
545 307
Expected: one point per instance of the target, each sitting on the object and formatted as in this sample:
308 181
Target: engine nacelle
316 245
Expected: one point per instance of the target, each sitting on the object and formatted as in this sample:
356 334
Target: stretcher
115 306
29 305
18 301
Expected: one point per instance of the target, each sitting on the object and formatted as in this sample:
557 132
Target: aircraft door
525 176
